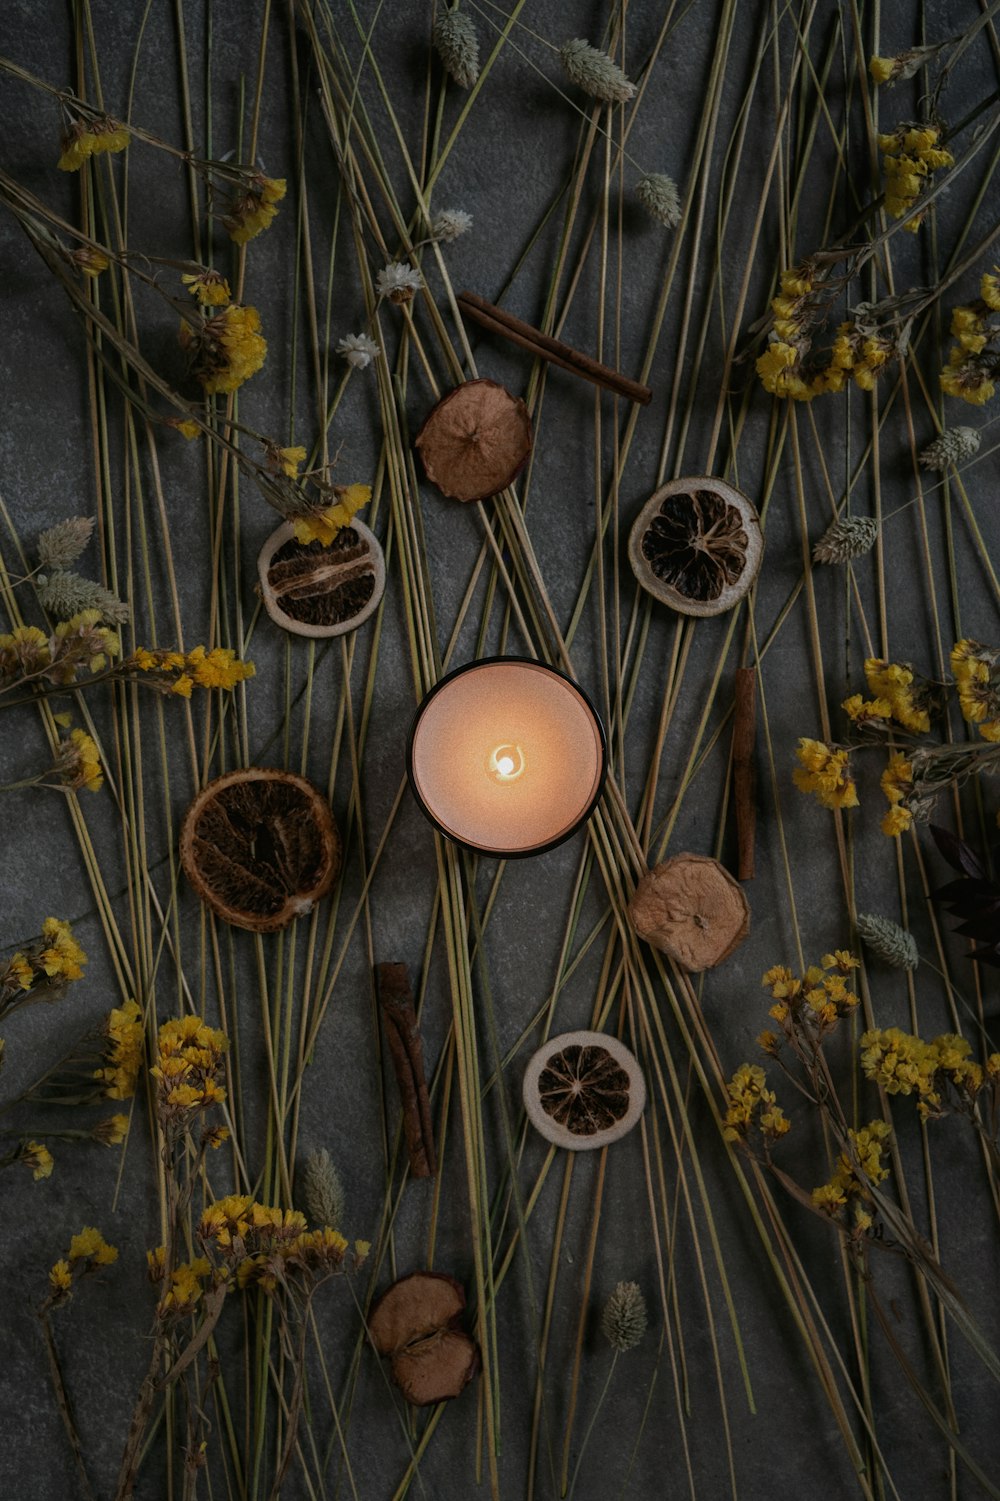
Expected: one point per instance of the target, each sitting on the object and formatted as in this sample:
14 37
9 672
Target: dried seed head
322 1190
951 447
847 538
63 544
595 72
658 195
458 47
623 1321
450 223
66 594
888 941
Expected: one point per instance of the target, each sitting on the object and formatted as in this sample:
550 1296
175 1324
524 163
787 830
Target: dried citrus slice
475 440
317 589
691 908
583 1090
697 545
260 847
416 1323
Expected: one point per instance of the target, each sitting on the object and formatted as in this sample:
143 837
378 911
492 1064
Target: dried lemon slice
697 545
317 589
583 1090
260 847
475 440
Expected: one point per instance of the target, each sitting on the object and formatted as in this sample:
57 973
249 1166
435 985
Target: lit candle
507 756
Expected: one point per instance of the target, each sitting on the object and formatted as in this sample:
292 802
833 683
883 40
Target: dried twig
403 1037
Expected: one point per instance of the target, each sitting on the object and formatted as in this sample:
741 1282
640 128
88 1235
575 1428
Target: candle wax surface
507 756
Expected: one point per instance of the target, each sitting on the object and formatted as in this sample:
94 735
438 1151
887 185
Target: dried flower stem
403 1036
744 771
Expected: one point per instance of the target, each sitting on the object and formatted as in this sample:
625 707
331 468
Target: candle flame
505 763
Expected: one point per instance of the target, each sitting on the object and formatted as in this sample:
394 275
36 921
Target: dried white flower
358 350
623 1321
398 282
595 72
450 223
62 544
658 195
458 47
888 941
849 537
66 594
951 447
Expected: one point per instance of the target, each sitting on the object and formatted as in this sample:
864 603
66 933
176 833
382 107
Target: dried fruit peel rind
416 1324
475 441
583 1125
260 847
321 590
697 545
691 909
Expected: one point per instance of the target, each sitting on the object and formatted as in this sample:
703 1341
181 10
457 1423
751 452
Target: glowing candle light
507 756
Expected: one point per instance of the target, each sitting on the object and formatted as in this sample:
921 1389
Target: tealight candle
507 756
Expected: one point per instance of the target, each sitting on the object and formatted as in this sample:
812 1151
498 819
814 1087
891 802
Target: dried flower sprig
65 594
88 1252
911 155
889 942
450 224
953 446
457 44
659 197
226 349
322 1190
42 970
253 208
399 282
974 359
95 136
34 1155
62 544
595 72
358 350
845 539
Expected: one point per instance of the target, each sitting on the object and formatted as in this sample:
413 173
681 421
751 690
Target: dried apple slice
692 909
317 589
583 1090
260 847
416 1323
697 545
475 441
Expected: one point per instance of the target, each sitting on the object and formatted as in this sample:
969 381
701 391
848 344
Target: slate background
506 172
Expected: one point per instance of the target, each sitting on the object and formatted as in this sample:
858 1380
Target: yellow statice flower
82 141
780 371
79 763
978 691
62 958
749 1098
125 1037
911 155
82 641
817 1000
882 69
24 651
18 973
861 710
323 526
254 209
61 1277
90 1245
188 1068
187 1284
893 682
825 771
180 672
91 262
225 349
38 1158
851 1177
111 1131
210 288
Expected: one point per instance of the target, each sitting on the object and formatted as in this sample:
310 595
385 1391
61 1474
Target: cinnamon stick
497 321
744 771
399 1021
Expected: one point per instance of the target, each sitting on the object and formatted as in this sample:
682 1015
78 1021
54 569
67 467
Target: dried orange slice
583 1090
260 847
697 545
692 909
475 441
317 589
416 1323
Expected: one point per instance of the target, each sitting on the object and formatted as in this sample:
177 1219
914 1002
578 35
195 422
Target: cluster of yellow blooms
180 672
825 771
898 785
225 349
892 684
973 359
51 963
265 1244
857 353
817 1000
79 643
911 154
186 1285
188 1069
253 209
851 1177
87 1251
750 1099
38 1158
78 763
905 1064
124 1033
286 461
323 525
978 689
82 141
209 288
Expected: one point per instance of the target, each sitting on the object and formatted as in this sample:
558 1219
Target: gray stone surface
507 170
